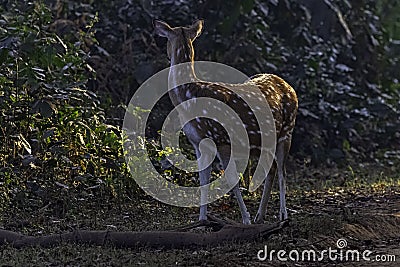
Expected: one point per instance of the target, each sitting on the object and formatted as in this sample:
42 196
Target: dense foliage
53 130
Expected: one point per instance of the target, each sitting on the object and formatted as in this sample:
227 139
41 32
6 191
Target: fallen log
153 239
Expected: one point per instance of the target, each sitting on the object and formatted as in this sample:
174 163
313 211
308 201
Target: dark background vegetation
68 68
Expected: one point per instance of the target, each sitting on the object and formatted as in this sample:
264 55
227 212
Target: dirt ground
331 208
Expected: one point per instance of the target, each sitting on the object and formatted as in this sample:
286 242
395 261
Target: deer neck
181 71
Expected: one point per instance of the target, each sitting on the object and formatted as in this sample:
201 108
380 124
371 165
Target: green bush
54 135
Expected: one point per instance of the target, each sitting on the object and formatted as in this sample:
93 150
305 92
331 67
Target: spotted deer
279 95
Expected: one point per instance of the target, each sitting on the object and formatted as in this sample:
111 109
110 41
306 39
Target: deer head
180 39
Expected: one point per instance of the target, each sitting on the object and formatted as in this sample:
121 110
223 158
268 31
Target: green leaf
25 144
346 145
81 140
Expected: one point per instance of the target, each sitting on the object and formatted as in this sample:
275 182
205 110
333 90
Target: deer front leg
204 180
203 162
242 206
281 154
282 193
232 177
268 183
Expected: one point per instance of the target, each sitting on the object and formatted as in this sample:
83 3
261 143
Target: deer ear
195 29
161 28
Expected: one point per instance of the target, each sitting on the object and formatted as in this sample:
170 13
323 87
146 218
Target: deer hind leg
232 176
282 151
268 183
